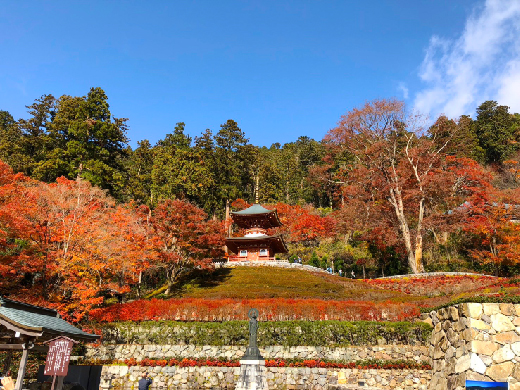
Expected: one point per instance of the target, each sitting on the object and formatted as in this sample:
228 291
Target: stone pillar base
252 375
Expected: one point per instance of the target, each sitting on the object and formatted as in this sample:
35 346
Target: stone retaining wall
286 378
139 352
272 263
475 341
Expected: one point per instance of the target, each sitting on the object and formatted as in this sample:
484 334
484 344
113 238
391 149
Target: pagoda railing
260 259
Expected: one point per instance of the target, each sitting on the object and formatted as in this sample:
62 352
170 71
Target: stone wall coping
260 263
381 347
427 274
253 362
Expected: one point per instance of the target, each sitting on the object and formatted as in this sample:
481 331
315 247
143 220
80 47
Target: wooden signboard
57 362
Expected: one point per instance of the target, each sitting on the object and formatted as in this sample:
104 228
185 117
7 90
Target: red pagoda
256 245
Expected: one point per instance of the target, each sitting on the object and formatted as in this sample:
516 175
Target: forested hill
379 194
71 136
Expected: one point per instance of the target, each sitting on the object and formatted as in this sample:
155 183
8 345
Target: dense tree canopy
85 217
497 131
393 167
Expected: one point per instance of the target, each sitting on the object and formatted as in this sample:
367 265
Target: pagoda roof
275 242
256 216
257 208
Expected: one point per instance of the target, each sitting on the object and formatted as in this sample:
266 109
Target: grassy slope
272 282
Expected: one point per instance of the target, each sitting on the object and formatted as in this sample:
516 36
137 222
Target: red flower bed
276 309
435 285
180 363
365 365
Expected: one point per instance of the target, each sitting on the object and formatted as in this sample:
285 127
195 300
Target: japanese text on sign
57 362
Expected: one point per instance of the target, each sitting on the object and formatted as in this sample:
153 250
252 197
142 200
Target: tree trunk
419 253
397 202
169 288
139 284
229 226
419 239
169 276
227 219
44 275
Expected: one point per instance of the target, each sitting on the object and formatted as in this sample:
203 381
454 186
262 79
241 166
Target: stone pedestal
252 375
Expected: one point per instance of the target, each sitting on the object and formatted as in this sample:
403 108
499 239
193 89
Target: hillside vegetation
86 219
291 294
273 282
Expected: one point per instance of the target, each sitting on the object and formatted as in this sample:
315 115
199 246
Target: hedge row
271 309
286 333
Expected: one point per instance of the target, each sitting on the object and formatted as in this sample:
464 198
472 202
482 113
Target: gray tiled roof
43 320
254 209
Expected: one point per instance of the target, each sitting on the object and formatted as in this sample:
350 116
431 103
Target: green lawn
273 282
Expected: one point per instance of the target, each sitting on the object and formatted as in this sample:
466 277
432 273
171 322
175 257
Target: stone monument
252 364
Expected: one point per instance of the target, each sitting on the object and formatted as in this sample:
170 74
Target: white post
59 382
21 369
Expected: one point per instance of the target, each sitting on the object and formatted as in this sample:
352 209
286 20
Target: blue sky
281 69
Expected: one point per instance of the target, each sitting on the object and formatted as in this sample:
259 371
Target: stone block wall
275 263
139 352
278 378
476 341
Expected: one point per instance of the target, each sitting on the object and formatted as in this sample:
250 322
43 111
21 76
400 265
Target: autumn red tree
394 167
185 238
303 223
299 223
491 216
14 252
73 243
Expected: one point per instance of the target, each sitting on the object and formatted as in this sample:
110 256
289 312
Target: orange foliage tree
14 253
185 238
73 243
493 220
300 223
303 224
393 169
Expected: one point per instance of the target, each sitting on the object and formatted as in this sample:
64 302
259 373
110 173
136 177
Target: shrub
274 309
436 285
479 299
287 333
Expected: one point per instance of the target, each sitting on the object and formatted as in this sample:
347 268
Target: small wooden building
25 327
256 244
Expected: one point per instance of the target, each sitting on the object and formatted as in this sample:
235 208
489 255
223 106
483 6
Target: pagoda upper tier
256 216
256 244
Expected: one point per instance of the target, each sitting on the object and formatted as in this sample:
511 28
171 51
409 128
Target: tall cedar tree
139 167
11 144
75 136
179 170
497 131
232 173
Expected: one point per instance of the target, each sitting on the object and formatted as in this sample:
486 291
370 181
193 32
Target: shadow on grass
200 279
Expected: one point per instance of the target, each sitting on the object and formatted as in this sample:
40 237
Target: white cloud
404 90
483 63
